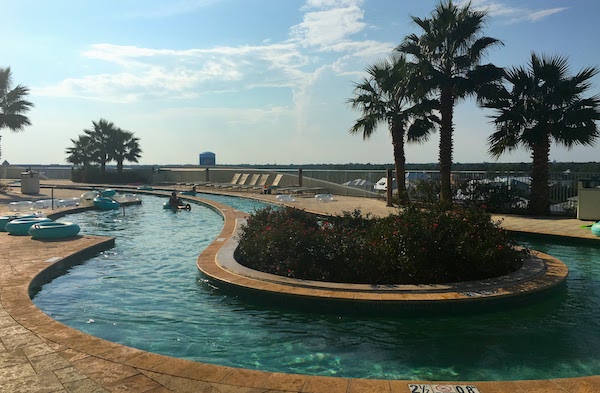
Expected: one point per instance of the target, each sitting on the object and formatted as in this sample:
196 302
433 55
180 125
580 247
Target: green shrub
415 246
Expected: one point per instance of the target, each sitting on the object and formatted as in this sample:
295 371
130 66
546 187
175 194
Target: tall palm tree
448 52
125 147
388 96
12 103
82 153
544 105
102 137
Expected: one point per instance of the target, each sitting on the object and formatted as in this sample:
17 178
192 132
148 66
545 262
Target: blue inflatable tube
53 230
104 203
20 226
186 206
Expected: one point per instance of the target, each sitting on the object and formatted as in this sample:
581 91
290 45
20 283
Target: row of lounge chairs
260 183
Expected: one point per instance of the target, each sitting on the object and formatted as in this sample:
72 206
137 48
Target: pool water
147 293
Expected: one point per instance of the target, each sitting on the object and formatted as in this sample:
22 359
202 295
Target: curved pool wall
424 371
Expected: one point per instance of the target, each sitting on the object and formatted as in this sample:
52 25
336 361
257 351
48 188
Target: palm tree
544 105
449 52
81 153
12 104
102 137
388 95
125 147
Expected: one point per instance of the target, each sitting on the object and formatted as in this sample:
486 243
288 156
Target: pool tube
53 230
186 206
90 195
104 203
285 198
20 226
47 203
21 206
108 192
596 228
125 198
69 202
324 197
6 219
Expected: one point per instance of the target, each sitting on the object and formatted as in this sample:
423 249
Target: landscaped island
414 246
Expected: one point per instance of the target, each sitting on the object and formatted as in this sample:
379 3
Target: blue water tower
208 158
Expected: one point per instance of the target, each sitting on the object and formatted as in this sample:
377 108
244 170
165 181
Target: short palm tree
388 96
81 153
102 137
543 105
13 106
448 52
125 147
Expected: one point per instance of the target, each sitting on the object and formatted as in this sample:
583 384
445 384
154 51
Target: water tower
208 158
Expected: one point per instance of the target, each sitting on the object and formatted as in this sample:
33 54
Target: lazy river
147 293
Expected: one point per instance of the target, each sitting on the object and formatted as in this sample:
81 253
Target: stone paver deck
39 354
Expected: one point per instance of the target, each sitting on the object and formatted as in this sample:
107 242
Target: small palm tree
125 147
81 153
388 96
543 105
12 104
448 52
102 137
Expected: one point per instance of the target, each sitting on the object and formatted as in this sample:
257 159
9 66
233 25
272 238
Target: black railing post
389 188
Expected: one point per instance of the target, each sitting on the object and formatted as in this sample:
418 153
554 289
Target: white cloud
325 27
323 39
513 14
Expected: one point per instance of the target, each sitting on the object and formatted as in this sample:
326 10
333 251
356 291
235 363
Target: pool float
186 206
46 203
90 195
69 202
104 203
20 226
21 206
324 197
596 228
6 219
53 230
285 198
108 192
125 198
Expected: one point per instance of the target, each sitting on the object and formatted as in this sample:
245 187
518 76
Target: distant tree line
573 167
99 145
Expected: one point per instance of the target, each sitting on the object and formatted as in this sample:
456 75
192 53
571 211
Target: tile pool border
82 362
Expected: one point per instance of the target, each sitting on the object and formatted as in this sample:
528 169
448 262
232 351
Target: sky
254 81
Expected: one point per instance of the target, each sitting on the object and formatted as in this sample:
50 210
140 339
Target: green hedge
436 245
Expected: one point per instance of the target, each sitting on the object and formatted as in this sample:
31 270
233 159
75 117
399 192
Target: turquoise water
147 293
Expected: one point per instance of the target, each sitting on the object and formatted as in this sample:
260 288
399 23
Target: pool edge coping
150 364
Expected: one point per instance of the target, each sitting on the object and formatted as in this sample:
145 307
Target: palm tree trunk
539 203
446 129
399 161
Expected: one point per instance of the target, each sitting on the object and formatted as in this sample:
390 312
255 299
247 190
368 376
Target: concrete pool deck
40 354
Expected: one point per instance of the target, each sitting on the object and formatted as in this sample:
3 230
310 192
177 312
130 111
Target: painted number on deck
417 388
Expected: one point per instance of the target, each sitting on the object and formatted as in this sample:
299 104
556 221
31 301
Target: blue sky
254 81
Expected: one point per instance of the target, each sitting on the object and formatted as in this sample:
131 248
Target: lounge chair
261 183
273 185
241 180
234 180
244 183
250 184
